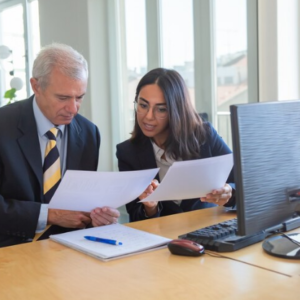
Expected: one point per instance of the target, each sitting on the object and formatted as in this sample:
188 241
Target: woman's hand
149 190
220 196
150 207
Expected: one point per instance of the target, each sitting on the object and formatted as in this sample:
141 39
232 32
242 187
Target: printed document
86 190
193 178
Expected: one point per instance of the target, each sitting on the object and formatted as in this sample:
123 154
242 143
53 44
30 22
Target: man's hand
68 218
104 216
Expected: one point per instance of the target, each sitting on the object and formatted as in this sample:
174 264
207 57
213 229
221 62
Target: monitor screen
266 149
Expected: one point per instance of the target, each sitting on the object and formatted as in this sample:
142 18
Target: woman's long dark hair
186 128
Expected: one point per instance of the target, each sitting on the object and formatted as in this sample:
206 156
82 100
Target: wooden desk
173 226
47 270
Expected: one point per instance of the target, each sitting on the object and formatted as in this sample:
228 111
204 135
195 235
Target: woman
168 129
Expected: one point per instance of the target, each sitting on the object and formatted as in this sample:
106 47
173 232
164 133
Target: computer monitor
266 149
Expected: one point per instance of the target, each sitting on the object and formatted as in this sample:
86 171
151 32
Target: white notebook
133 241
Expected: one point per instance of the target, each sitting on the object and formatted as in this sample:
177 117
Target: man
59 83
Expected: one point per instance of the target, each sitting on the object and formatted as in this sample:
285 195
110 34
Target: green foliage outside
10 94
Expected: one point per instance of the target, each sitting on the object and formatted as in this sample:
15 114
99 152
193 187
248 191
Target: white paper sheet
86 190
134 241
193 178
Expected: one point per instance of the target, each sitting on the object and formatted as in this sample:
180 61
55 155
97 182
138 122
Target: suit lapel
29 142
75 146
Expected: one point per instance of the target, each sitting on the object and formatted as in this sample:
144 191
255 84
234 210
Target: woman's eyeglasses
159 111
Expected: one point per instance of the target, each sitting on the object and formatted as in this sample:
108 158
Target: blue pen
101 240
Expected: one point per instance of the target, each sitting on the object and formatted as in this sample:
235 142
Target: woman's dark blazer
140 156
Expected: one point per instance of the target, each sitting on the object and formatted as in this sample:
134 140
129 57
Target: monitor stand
285 245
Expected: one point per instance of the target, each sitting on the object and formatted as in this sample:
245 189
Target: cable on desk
217 255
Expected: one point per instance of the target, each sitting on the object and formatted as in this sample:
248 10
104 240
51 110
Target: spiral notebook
133 241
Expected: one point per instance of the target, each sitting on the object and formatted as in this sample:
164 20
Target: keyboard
222 237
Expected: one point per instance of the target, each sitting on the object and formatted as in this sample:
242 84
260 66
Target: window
136 53
12 36
177 39
205 41
231 60
15 35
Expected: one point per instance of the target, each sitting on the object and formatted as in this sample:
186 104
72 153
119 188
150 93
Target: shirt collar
42 123
158 152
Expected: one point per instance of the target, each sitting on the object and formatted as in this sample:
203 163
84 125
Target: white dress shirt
163 163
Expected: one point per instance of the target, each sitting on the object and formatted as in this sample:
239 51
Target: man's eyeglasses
142 108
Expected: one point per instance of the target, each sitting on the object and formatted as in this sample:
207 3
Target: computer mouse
185 247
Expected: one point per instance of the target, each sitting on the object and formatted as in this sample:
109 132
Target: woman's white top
163 163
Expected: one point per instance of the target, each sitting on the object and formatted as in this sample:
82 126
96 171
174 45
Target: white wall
267 50
100 95
288 49
279 50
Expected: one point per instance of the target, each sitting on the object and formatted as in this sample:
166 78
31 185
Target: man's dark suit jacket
140 156
21 172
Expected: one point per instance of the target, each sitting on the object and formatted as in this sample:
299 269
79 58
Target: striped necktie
51 168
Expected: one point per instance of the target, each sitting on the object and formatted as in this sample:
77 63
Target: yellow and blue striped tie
51 168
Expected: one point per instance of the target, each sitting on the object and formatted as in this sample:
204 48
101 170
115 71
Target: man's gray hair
70 63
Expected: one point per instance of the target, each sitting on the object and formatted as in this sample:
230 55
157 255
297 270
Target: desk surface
173 226
47 270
